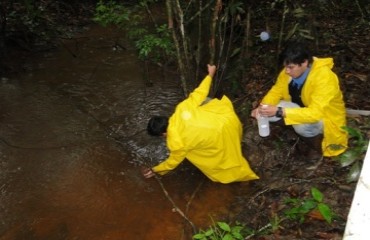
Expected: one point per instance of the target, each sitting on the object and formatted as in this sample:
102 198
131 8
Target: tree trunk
180 61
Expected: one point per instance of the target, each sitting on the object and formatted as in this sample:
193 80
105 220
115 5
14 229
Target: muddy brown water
72 144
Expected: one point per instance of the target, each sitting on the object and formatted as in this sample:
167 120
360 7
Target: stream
73 141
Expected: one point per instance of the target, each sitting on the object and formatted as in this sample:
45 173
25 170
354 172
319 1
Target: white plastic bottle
263 125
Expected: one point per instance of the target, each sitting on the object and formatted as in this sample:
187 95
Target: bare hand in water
147 172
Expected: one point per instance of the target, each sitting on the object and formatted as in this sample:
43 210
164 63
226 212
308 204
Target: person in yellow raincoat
208 134
307 96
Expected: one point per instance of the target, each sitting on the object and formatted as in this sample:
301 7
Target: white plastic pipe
358 221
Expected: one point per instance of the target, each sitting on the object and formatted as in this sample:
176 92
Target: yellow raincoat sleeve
175 158
278 92
201 92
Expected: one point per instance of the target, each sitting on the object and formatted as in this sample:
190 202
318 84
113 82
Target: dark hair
296 53
157 125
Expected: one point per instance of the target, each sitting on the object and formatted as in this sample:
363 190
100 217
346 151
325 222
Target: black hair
295 53
157 125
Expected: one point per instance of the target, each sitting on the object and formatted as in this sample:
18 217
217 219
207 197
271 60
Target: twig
258 231
360 10
68 49
193 195
291 149
177 209
199 12
314 167
262 229
270 186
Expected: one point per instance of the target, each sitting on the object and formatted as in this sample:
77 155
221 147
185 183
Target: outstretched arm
211 70
201 92
175 158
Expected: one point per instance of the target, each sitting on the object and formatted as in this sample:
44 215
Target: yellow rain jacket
323 100
209 136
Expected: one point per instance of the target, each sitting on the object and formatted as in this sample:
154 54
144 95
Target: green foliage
354 155
153 44
111 13
301 207
222 231
236 7
275 223
299 23
298 209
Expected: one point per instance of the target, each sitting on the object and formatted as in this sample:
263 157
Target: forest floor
284 174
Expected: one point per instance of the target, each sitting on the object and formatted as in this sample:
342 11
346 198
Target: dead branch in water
175 207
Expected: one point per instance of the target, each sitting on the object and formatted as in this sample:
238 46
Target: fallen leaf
315 214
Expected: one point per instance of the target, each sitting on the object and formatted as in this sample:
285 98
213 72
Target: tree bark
180 61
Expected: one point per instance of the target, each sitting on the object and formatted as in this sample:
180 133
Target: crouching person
307 96
205 132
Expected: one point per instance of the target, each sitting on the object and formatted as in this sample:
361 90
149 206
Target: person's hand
267 110
254 113
211 70
147 172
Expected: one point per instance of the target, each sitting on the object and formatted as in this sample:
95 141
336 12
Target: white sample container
263 125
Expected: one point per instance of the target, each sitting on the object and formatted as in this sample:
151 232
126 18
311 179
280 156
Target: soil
280 159
284 172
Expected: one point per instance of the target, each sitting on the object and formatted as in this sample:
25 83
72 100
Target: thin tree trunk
199 42
285 11
177 46
150 15
212 41
184 41
246 41
225 60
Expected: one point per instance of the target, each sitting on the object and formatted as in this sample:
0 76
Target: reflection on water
72 141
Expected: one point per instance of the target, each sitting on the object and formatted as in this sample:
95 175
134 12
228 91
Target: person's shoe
314 155
314 144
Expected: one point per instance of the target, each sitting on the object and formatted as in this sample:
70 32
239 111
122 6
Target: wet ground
72 145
